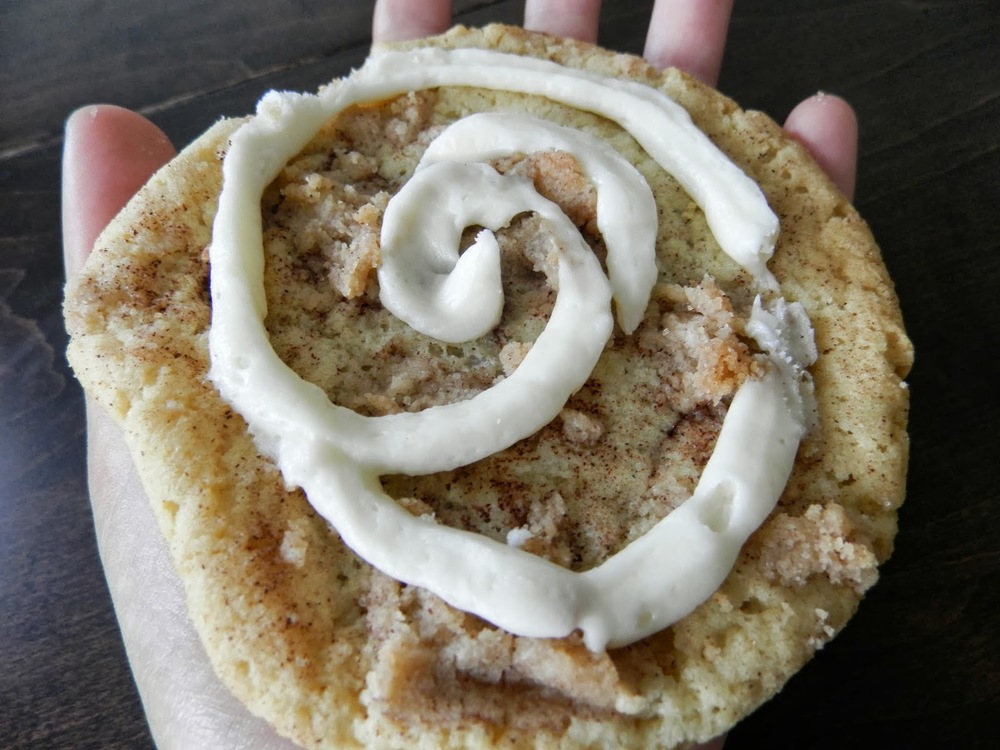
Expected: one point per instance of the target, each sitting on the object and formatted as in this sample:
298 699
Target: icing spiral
337 455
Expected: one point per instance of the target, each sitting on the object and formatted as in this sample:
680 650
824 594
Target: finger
576 19
399 20
827 126
690 35
108 154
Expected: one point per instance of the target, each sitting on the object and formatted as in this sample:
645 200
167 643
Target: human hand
109 153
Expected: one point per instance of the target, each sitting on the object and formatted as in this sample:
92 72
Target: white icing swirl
337 456
425 283
626 210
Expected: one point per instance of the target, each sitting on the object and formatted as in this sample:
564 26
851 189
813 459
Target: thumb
109 153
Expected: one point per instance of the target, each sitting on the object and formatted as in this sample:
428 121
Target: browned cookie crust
336 655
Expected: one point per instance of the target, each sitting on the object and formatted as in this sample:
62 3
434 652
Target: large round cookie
335 654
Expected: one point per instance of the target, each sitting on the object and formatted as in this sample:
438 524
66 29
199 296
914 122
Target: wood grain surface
917 668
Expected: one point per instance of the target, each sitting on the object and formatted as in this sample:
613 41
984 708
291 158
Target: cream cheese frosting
337 456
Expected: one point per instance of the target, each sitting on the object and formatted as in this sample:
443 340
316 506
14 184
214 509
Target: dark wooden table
919 667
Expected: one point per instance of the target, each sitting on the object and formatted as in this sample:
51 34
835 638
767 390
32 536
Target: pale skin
110 152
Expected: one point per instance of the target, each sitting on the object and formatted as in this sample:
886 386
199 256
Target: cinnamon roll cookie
506 393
